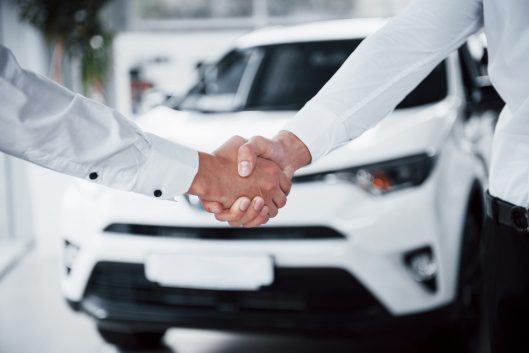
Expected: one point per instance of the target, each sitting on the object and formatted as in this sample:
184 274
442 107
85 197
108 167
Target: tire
130 340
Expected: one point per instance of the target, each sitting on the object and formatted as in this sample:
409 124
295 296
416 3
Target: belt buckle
520 218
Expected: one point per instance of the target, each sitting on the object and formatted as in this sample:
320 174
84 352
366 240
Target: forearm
383 70
217 178
207 167
297 152
44 123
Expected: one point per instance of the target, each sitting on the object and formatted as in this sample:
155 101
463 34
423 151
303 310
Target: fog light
69 255
423 266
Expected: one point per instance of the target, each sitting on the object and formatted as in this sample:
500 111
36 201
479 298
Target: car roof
312 32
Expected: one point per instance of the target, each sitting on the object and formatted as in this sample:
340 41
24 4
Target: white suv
381 233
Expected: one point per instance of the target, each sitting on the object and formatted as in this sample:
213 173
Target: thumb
247 157
256 147
212 206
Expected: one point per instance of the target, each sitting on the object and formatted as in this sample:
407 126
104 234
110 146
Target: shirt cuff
169 170
319 129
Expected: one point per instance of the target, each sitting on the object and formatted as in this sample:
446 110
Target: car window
432 89
287 76
217 90
291 74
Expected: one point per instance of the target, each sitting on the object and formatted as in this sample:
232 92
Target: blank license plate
209 271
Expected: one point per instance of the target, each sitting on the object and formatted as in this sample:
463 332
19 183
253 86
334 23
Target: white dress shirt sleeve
44 123
384 68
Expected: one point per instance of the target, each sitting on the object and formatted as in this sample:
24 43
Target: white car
379 235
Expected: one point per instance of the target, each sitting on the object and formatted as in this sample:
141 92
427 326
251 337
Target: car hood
404 132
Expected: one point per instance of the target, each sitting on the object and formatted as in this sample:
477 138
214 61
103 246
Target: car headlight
380 178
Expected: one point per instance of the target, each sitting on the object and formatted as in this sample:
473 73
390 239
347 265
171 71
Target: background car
380 236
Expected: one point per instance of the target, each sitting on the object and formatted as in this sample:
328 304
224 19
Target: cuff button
157 193
93 176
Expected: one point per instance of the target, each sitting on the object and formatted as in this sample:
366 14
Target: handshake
245 182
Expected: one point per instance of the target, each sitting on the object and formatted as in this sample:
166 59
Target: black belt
506 213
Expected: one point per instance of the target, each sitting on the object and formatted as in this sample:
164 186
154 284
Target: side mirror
201 68
484 97
199 65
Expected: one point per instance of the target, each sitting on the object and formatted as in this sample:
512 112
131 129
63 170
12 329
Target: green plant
72 27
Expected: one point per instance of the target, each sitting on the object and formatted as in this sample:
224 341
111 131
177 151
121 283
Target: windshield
285 77
218 87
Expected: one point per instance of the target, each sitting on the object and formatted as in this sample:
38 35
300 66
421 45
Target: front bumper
371 248
300 300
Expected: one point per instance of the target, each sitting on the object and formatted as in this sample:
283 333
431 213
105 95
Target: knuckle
238 138
257 139
270 185
247 149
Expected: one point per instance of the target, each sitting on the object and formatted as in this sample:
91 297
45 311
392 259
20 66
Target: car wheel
131 340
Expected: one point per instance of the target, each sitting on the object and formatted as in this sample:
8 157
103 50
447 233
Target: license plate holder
210 271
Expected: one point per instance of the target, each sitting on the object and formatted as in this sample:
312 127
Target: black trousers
506 277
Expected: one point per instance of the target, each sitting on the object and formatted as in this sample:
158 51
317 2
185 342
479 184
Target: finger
285 183
212 206
272 209
232 141
262 218
235 212
257 146
280 199
246 158
253 211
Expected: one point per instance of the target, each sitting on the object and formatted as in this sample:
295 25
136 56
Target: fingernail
244 204
258 204
264 212
244 168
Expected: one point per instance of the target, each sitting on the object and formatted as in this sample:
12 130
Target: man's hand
244 212
290 154
217 180
286 149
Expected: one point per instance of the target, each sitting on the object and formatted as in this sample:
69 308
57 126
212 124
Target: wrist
296 151
200 185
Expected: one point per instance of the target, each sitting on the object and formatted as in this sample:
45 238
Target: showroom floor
35 319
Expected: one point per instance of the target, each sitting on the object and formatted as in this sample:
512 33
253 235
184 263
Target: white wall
36 191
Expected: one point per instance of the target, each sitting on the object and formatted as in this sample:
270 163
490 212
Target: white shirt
392 61
48 125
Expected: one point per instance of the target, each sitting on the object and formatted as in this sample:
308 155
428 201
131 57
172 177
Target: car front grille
295 290
262 233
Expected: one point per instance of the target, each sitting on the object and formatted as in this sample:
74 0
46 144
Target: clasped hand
245 182
242 201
